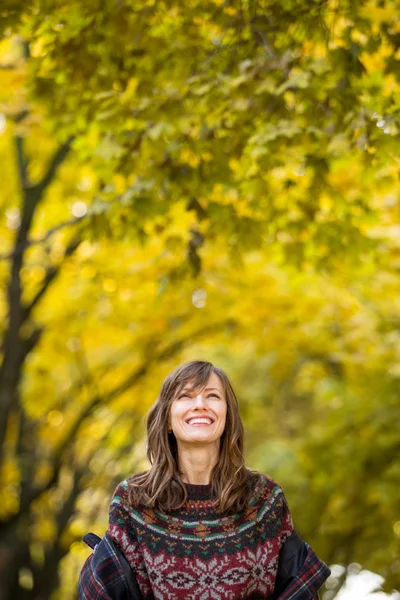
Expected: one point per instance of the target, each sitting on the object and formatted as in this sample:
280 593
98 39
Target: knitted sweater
195 554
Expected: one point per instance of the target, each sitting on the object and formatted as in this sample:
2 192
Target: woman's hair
161 487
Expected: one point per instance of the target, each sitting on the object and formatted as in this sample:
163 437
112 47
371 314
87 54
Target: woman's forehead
212 383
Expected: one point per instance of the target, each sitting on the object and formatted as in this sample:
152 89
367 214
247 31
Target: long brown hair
161 487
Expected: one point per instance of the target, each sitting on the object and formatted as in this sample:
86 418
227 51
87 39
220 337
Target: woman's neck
196 463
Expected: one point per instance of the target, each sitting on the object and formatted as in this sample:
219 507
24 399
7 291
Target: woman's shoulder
268 501
264 487
121 492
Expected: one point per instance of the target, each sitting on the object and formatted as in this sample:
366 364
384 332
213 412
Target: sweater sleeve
121 529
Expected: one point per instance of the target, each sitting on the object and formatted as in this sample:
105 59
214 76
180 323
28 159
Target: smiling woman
199 524
182 452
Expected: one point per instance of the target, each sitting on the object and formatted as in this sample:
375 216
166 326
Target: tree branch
28 243
267 46
56 161
22 161
51 273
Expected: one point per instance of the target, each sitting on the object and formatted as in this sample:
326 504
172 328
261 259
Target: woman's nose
199 399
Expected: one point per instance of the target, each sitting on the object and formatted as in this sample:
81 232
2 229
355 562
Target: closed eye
188 396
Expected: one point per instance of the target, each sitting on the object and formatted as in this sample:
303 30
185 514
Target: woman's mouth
199 422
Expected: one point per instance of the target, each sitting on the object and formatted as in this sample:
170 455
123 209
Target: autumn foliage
213 180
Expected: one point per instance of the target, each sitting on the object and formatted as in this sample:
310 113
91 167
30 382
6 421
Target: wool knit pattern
195 554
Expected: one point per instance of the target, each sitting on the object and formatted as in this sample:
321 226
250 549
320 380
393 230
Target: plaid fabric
106 574
309 579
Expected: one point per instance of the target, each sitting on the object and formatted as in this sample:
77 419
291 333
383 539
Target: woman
198 524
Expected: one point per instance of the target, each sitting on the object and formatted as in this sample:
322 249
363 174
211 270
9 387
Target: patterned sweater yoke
195 554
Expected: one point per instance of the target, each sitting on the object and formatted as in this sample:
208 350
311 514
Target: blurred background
214 180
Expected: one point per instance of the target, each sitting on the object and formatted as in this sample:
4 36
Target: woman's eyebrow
205 389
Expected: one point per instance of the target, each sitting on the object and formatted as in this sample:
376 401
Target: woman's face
209 405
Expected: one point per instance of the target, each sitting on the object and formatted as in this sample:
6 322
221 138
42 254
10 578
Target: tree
232 156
